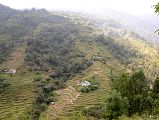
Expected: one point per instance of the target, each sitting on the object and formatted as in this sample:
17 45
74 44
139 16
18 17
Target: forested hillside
15 25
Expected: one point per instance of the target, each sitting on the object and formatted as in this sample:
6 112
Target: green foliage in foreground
115 105
130 95
156 8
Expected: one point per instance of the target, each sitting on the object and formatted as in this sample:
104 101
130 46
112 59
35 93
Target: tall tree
156 86
156 7
115 105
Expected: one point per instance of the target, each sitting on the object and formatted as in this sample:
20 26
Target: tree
156 86
138 90
156 7
138 84
135 88
121 84
115 105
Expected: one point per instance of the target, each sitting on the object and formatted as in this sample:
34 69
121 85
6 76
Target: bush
3 84
85 89
38 79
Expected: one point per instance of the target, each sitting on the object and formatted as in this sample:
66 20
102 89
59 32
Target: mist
134 7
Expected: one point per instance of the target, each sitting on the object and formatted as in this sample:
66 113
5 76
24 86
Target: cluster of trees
131 94
52 48
16 25
124 54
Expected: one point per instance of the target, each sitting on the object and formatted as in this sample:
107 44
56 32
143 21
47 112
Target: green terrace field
17 97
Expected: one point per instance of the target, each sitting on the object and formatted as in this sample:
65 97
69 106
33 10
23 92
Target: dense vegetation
52 48
15 25
130 95
121 52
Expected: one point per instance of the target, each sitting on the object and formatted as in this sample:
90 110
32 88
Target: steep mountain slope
41 47
69 100
16 25
128 46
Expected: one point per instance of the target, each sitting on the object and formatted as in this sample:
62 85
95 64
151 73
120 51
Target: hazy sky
129 6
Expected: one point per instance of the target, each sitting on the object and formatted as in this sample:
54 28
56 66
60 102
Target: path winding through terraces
68 96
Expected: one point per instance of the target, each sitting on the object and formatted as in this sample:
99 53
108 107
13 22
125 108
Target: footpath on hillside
15 59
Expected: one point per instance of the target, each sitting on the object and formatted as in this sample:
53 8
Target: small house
85 83
11 71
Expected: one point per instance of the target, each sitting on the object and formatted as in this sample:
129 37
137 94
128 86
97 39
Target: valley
54 52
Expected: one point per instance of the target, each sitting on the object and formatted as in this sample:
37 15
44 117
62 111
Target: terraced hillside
18 96
69 100
15 100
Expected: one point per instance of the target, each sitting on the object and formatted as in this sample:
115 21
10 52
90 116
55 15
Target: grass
18 96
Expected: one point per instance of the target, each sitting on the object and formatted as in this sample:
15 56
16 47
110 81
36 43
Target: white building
85 83
11 71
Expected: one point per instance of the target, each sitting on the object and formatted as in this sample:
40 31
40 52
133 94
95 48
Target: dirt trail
69 95
65 96
15 59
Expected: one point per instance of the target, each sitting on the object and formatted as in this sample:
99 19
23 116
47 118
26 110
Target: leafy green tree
135 88
138 84
115 105
121 84
156 86
138 90
156 7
